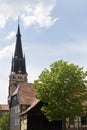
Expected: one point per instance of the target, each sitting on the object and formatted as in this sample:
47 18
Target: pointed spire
18 61
18 49
24 65
18 32
12 66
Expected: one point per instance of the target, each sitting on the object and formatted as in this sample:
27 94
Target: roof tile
26 93
4 107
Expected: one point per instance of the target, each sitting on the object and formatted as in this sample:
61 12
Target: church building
21 97
18 68
21 93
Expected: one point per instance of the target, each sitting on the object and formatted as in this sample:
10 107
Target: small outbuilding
34 119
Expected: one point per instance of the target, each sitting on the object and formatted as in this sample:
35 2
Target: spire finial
18 19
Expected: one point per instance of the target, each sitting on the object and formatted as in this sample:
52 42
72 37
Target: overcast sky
51 30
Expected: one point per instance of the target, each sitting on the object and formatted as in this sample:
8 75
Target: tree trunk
64 124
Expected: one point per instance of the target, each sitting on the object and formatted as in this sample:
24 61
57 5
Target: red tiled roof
4 107
26 94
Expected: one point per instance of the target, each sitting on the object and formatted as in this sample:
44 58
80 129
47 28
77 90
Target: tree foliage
0 110
4 121
62 90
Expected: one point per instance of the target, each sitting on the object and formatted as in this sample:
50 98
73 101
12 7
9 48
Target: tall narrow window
84 120
17 109
17 121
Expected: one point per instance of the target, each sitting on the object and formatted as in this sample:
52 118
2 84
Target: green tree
4 121
62 90
0 111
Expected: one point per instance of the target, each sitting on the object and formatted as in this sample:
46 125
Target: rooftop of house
33 104
4 107
26 93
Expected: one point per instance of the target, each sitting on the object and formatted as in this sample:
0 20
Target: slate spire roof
18 49
18 61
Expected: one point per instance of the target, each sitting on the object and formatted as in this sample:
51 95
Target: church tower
18 68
